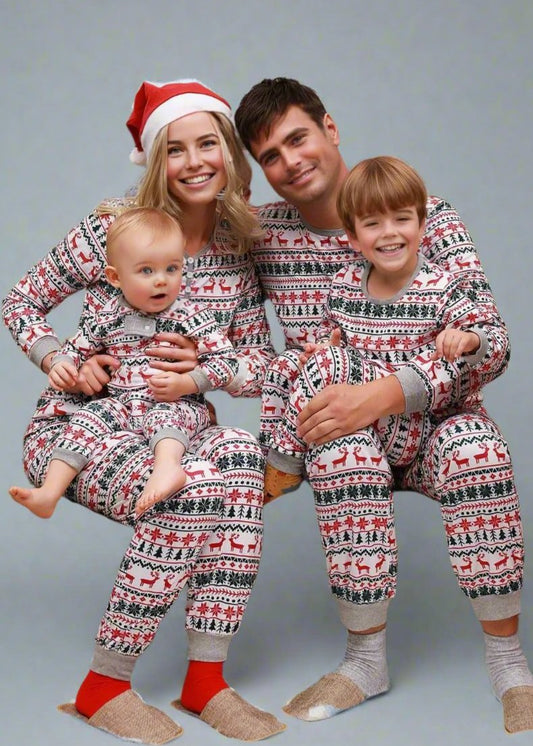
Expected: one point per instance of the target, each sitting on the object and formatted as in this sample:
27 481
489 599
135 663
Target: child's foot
37 499
277 482
163 482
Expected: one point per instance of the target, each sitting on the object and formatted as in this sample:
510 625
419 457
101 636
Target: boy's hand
452 343
63 376
168 386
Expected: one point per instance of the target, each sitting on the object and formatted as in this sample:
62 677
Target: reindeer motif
234 544
267 238
467 567
380 562
320 467
359 459
224 288
460 461
500 455
195 474
482 562
167 581
517 555
361 567
217 544
483 455
502 562
150 581
210 286
464 264
341 461
253 547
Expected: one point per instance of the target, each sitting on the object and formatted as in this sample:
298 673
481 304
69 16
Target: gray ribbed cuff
42 348
205 647
113 664
415 394
286 463
495 607
360 617
169 432
76 460
477 356
201 380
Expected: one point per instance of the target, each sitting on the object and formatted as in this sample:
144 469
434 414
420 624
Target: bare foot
163 482
37 499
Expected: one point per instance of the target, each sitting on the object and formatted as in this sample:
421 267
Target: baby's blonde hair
159 222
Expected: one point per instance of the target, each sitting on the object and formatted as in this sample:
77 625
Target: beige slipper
128 716
277 482
232 716
518 709
331 694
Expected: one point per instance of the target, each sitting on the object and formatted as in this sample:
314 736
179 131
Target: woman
196 171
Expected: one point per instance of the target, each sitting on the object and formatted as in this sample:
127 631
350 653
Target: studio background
443 84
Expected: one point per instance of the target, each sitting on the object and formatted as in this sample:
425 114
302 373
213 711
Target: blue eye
146 271
172 268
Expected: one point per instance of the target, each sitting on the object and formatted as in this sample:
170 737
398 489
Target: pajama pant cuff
113 664
360 617
284 462
493 608
169 432
76 460
205 647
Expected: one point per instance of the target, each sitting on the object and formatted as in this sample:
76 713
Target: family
391 332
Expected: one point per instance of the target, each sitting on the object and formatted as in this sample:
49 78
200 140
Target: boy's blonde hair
380 184
159 222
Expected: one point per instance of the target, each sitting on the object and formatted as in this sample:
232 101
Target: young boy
393 308
145 249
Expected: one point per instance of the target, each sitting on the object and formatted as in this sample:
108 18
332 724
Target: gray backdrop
444 84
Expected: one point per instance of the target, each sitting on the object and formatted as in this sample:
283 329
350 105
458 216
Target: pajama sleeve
75 263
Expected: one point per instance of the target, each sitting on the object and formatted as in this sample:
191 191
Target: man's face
300 160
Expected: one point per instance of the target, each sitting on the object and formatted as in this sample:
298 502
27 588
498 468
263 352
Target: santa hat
158 104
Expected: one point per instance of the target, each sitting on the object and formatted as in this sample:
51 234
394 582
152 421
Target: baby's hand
452 343
63 375
169 386
311 347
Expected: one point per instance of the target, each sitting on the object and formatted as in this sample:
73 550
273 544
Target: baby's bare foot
37 499
164 481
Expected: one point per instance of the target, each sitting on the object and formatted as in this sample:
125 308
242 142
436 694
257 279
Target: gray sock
365 662
506 663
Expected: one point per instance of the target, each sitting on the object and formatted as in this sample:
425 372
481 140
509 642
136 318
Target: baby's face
149 268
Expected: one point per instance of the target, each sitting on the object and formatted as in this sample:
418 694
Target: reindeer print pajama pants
462 462
207 537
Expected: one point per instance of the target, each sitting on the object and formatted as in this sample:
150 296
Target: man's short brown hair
269 100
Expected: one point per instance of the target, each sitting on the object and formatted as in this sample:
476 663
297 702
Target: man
287 130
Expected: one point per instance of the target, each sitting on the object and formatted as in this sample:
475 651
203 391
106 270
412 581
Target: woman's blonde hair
380 184
235 219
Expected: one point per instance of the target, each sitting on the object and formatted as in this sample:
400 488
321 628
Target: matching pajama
464 463
209 536
125 333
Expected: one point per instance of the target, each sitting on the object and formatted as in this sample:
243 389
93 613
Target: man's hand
343 408
94 375
173 352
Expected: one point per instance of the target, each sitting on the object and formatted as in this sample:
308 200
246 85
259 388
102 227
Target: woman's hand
93 374
173 352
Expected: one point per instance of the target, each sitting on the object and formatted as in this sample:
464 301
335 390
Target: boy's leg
467 467
281 374
330 365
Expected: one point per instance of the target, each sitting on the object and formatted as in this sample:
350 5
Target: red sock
97 689
202 682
